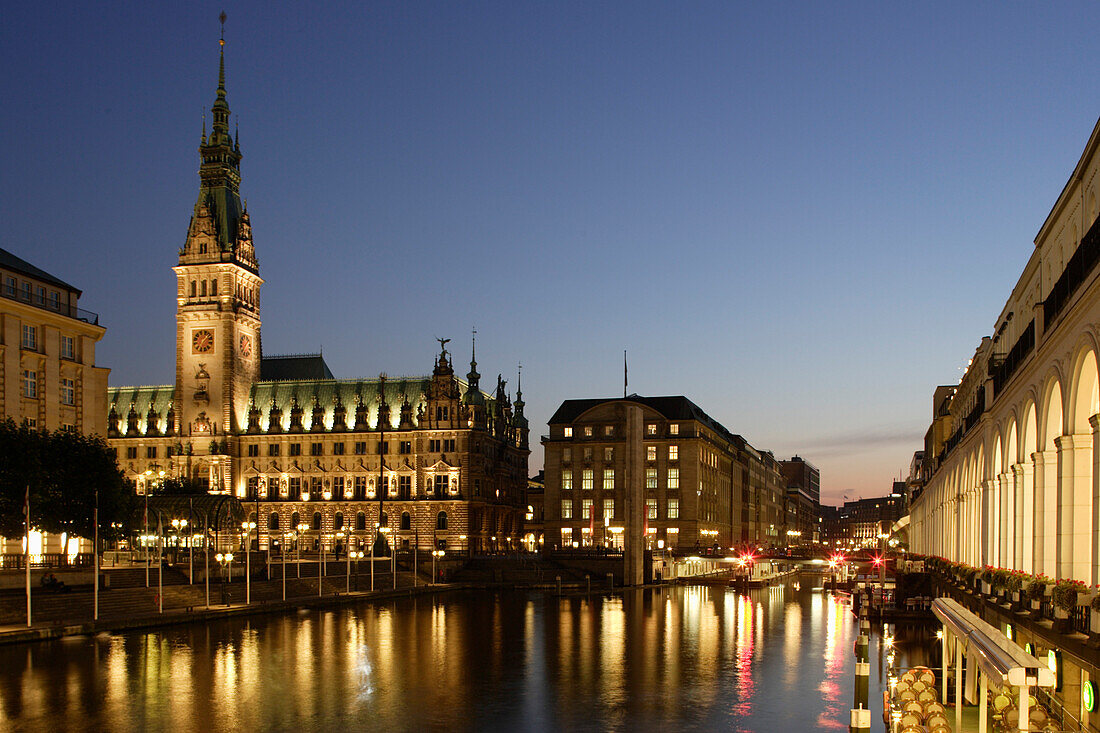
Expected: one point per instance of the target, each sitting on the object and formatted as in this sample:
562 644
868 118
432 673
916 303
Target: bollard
863 646
558 578
588 582
861 721
863 680
611 581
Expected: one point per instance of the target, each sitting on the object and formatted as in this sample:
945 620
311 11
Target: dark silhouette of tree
64 470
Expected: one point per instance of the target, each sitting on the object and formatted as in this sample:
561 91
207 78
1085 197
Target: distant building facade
859 524
803 499
702 485
432 460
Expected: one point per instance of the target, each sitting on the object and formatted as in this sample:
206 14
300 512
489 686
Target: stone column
987 523
633 499
1002 520
1046 525
1016 514
1074 510
1025 507
1094 486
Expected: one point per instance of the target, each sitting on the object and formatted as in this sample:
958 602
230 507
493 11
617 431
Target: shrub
1065 593
1037 588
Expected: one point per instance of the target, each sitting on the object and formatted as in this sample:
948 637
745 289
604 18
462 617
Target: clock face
246 345
202 341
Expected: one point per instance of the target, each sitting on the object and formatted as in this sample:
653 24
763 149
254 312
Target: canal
676 658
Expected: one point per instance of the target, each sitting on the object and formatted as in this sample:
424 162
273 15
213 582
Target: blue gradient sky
801 216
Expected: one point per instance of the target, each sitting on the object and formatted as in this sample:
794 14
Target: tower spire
218 211
473 386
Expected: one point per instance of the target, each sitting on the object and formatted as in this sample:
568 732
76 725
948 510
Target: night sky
803 217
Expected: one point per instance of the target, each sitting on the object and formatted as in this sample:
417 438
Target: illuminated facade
48 375
702 485
433 460
1010 469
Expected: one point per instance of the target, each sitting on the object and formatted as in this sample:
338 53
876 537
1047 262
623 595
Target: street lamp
358 555
298 545
223 560
148 484
248 527
435 554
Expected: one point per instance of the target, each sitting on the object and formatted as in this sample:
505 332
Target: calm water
687 658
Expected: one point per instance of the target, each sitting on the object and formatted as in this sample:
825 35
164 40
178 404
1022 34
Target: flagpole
160 566
95 559
27 563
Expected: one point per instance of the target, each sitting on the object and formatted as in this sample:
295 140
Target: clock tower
218 295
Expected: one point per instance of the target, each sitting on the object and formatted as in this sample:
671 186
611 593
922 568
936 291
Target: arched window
295 520
316 520
273 521
385 520
213 287
441 520
406 521
252 518
192 288
360 521
339 523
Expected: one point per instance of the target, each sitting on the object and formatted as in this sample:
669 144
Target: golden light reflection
668 658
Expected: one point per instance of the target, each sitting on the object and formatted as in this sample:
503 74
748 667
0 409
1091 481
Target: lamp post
298 545
435 554
340 536
358 556
225 559
248 527
283 553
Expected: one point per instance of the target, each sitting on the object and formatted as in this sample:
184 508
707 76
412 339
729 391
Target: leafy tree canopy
63 472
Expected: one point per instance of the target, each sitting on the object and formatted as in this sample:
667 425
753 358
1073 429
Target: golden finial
221 41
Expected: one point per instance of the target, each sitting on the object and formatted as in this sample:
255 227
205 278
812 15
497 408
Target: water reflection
677 658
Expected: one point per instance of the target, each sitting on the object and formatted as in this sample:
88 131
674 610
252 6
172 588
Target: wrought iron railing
48 304
1078 269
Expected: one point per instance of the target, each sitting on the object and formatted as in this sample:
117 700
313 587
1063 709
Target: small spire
519 386
204 126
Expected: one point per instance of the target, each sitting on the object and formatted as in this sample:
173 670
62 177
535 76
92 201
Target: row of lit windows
404 447
672 509
200 289
588 479
609 453
30 341
589 431
354 487
275 523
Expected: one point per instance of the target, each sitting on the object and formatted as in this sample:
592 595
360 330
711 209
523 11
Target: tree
21 469
64 471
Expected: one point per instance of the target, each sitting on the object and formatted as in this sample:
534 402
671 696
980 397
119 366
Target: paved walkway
62 614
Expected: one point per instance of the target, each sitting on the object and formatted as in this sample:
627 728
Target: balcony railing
1003 371
1078 269
50 305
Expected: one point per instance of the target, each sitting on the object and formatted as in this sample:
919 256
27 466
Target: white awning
998 657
